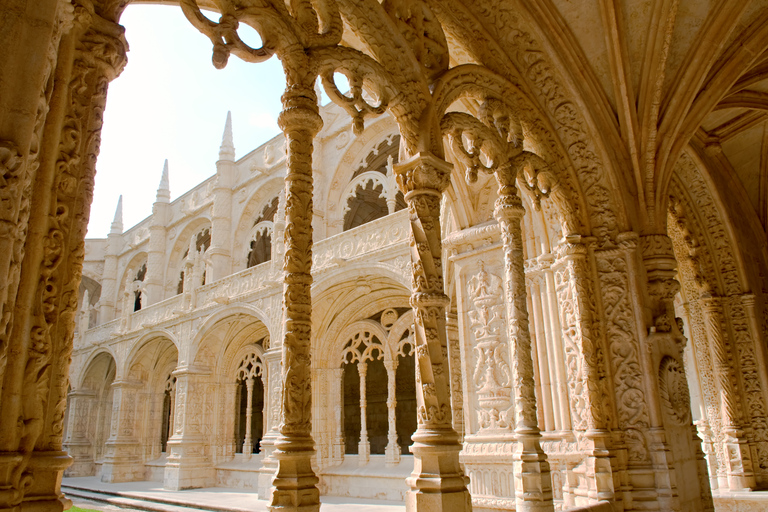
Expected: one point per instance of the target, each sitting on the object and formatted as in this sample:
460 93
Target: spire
164 190
117 223
227 150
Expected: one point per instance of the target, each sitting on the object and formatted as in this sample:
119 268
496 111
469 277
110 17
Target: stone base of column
533 481
392 454
599 470
187 467
741 475
82 459
122 462
437 483
295 484
44 493
268 467
488 461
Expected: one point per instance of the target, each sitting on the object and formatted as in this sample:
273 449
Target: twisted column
392 451
295 483
738 459
437 482
533 489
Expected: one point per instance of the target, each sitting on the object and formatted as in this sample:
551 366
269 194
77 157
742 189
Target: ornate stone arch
78 381
141 347
210 323
180 246
353 160
254 205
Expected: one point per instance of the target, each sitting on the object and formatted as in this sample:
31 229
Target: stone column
221 215
273 400
44 240
738 458
363 447
77 443
392 451
248 441
122 460
188 464
437 482
553 329
679 468
533 482
457 389
295 483
544 359
575 292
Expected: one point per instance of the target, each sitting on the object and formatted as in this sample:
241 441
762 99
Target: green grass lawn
78 509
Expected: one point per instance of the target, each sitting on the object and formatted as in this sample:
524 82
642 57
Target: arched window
169 403
249 420
260 248
140 274
202 241
361 352
378 386
405 392
372 193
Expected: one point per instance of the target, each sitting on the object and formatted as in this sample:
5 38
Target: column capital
423 172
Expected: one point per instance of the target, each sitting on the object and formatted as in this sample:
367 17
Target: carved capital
423 172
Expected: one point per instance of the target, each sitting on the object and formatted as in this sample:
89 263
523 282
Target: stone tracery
612 276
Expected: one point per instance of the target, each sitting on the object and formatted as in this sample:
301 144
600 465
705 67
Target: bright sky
170 102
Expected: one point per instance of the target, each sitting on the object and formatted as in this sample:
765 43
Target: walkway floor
151 496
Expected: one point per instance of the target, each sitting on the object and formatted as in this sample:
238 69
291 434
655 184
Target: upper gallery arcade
520 264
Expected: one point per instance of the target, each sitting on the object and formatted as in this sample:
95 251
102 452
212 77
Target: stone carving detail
624 351
491 376
673 391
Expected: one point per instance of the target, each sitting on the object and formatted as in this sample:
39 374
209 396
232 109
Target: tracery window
202 241
372 193
378 383
261 235
249 418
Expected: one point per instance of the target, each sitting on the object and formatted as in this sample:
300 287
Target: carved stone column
273 400
437 482
673 445
575 293
454 365
392 451
76 442
122 461
364 446
533 482
248 441
295 483
37 330
738 457
188 465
